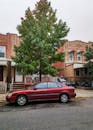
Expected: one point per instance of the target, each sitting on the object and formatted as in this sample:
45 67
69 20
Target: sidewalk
79 92
2 98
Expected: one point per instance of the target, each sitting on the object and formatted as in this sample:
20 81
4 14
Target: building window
18 75
2 51
77 72
71 56
18 71
79 56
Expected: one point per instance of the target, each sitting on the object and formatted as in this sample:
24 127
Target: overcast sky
78 15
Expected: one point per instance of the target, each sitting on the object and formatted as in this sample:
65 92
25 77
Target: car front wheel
64 98
21 100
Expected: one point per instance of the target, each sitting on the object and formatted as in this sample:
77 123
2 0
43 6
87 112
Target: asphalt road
75 115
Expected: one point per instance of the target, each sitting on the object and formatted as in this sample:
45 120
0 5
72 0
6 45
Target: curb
84 97
2 104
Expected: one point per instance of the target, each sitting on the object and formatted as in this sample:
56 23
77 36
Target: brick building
7 43
73 65
74 68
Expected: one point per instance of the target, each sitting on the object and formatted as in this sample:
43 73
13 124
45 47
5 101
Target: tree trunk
40 73
40 76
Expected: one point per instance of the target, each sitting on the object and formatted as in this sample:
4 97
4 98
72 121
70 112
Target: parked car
41 92
86 84
67 82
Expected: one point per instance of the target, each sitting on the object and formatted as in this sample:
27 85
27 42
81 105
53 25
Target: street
75 115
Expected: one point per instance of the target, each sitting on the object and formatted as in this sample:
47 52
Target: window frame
79 56
71 56
57 84
41 87
3 51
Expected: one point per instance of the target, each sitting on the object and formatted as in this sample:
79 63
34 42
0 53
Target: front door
1 73
40 92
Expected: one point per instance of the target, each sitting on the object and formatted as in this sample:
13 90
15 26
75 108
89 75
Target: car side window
52 85
41 86
59 85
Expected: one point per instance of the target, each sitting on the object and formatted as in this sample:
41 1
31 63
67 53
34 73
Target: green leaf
41 35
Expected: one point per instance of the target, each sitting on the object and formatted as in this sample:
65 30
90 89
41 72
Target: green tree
41 35
89 59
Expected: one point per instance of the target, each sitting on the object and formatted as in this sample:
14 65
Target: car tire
21 100
64 98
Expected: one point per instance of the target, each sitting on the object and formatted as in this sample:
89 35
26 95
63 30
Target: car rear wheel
21 100
64 98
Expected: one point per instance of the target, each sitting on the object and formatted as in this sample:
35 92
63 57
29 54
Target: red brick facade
9 40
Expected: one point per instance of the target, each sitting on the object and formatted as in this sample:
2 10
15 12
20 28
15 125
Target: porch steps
18 86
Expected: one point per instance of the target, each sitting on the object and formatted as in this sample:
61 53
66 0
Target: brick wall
9 40
69 72
75 47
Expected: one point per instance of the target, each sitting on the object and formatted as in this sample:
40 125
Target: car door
39 92
54 90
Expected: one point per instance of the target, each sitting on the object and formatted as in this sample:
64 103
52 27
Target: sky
78 14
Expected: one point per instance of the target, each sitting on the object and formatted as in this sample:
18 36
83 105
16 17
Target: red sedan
42 92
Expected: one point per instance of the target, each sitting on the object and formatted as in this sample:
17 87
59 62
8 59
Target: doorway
1 73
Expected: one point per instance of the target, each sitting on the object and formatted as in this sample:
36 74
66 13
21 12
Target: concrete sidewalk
80 94
2 98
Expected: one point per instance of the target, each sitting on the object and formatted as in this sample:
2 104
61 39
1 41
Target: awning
78 65
80 51
71 51
3 62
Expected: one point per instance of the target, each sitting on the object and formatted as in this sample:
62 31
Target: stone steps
18 86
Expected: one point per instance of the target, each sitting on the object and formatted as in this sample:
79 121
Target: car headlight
10 94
